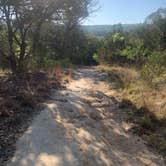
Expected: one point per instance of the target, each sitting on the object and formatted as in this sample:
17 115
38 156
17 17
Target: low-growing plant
153 68
146 122
157 142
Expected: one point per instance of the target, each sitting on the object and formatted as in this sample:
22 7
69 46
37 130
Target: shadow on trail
82 127
91 128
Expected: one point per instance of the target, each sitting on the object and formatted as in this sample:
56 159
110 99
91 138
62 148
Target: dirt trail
82 126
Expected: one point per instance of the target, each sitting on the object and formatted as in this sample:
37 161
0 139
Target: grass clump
157 141
146 122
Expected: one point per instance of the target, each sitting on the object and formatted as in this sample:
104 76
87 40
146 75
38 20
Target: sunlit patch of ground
82 126
4 72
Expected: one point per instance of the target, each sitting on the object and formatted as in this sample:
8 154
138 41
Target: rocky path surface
82 126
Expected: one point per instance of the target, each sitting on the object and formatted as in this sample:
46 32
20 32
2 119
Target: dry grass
67 75
20 100
138 91
29 89
4 72
145 104
63 75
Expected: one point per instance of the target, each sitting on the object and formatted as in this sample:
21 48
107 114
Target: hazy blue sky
124 11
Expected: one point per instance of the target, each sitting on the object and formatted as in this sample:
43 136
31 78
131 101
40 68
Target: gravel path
82 125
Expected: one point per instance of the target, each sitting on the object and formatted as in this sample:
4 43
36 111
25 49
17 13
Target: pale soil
83 126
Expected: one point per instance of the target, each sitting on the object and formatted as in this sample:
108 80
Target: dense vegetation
143 47
37 33
138 46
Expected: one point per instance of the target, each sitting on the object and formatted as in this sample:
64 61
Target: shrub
153 68
96 58
146 122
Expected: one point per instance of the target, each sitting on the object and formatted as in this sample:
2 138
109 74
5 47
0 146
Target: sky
123 11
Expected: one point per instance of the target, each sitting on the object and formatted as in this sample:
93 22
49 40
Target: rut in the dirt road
82 126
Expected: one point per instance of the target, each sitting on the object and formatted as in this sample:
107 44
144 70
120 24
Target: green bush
64 63
50 63
154 67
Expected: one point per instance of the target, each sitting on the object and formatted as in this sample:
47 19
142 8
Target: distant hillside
102 30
